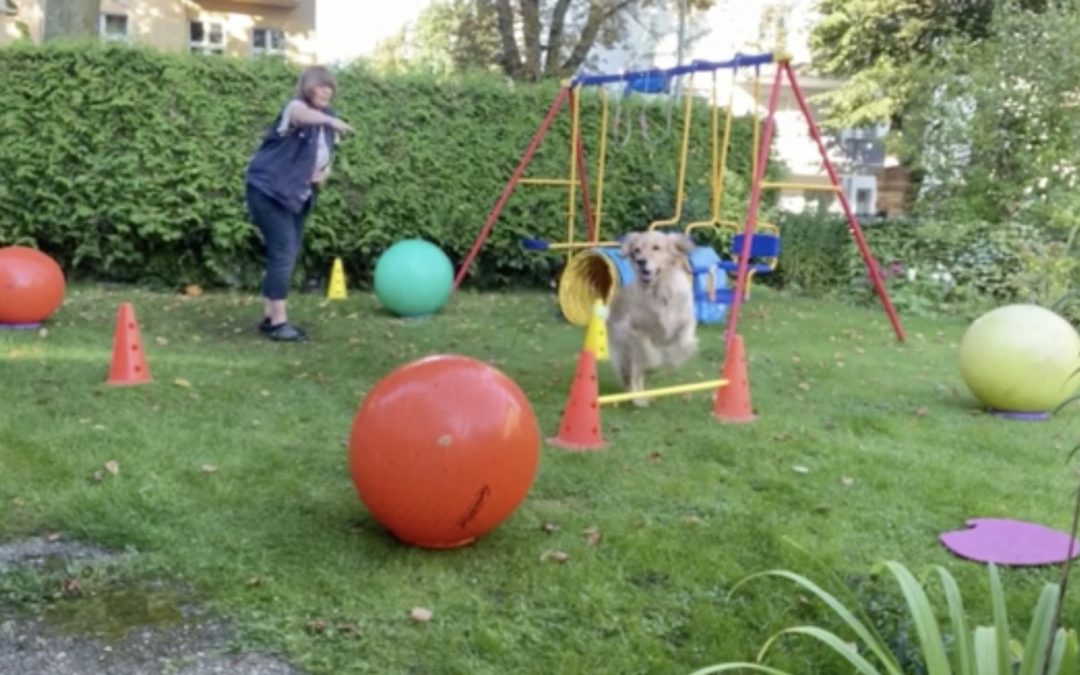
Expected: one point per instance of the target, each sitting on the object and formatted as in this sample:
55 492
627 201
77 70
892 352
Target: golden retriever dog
651 322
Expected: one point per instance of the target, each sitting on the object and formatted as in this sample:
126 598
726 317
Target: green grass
893 449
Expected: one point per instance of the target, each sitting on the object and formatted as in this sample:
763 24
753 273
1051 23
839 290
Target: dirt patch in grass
117 631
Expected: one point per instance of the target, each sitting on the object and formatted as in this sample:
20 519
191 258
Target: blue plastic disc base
19 326
1021 416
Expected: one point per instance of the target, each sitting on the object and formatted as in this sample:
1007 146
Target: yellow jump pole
682 161
663 391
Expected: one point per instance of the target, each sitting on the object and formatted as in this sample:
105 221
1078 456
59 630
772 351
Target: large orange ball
31 285
443 449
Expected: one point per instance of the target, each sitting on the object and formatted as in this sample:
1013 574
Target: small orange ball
443 449
31 285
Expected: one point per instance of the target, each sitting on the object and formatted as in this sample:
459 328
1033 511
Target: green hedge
929 265
127 164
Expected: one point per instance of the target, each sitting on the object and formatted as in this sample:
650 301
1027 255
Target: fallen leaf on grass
550 528
181 382
253 581
208 468
691 520
316 626
55 536
193 290
113 467
654 457
922 411
420 614
554 556
70 586
847 481
348 629
18 502
805 386
161 341
592 536
799 468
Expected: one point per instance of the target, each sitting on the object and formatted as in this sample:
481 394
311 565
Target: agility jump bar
662 391
739 61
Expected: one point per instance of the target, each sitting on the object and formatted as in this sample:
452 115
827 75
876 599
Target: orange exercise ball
31 285
443 449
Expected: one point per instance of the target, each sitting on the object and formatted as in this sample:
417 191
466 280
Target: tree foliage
884 47
528 40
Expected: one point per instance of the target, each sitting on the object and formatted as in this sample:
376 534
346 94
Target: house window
206 38
268 41
113 27
864 201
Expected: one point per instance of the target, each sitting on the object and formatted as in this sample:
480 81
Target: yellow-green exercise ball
1020 358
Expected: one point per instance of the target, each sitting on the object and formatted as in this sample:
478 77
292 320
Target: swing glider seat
764 256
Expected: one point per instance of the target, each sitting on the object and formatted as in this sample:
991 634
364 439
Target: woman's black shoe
284 332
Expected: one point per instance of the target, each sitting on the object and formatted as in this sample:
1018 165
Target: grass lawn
232 482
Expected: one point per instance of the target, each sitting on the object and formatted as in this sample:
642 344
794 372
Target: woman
284 174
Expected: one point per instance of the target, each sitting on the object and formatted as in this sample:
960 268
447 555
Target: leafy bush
929 265
127 164
1047 649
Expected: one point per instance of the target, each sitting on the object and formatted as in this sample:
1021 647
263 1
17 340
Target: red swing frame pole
853 223
526 157
751 213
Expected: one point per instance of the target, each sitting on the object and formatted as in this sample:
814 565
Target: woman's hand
340 126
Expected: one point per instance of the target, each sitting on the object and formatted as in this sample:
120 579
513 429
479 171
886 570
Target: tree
530 39
71 18
883 47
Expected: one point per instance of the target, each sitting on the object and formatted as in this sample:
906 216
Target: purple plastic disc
1010 542
19 326
1022 416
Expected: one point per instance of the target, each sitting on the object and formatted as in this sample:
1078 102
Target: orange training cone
733 400
128 362
580 427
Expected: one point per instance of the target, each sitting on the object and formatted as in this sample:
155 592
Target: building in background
216 27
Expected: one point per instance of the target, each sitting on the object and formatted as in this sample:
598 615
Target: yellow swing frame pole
679 192
575 95
719 165
598 213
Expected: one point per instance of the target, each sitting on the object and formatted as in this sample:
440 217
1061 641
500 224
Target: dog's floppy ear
682 243
628 244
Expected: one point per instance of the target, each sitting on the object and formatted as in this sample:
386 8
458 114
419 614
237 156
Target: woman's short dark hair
314 76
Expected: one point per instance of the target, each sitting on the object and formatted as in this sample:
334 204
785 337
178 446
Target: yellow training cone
596 332
336 290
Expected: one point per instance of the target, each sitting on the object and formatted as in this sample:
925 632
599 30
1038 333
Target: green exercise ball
413 278
1020 358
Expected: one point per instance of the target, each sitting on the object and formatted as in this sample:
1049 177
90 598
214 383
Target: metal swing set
585 282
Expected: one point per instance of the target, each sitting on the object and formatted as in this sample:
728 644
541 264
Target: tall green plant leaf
865 634
1001 620
922 614
987 654
834 642
1038 644
965 657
